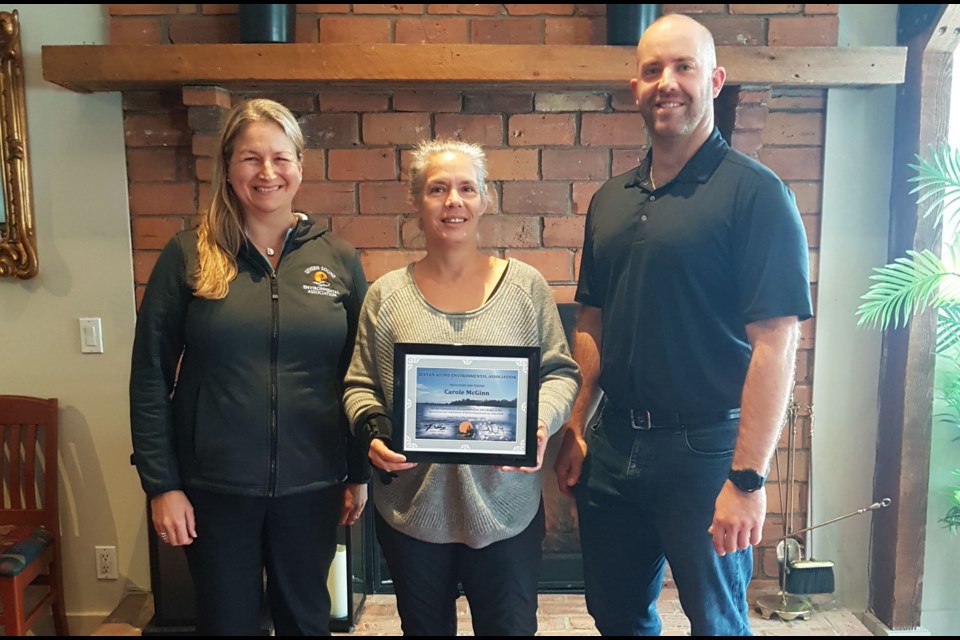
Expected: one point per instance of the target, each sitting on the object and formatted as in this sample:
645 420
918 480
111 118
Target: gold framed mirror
18 246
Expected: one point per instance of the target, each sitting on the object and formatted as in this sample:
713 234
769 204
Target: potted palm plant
922 280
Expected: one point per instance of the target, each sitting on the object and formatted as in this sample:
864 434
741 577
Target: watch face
746 479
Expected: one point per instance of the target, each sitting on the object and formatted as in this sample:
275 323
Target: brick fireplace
549 148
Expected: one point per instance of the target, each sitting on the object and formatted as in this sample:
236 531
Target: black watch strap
748 480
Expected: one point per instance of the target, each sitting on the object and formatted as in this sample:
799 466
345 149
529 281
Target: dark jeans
646 497
293 538
499 580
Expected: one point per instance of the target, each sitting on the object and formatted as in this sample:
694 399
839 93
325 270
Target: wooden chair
29 516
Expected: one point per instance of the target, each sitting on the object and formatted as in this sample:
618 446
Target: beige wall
856 202
82 222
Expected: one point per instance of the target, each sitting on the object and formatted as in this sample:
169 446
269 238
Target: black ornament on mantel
625 22
265 23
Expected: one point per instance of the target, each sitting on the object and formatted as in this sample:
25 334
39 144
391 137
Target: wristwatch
747 480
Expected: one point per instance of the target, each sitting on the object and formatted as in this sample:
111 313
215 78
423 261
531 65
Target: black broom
801 577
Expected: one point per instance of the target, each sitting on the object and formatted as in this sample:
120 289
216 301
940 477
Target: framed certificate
466 404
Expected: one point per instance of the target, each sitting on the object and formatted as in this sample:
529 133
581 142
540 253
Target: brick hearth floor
560 615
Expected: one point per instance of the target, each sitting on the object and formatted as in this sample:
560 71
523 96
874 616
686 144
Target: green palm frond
948 327
952 519
905 286
949 390
948 418
938 181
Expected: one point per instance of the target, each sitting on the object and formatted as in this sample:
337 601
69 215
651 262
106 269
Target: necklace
268 251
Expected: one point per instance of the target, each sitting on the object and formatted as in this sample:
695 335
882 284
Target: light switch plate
91 335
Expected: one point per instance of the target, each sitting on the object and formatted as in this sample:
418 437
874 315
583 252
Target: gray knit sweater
476 505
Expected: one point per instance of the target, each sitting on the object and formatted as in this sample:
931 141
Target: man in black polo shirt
693 282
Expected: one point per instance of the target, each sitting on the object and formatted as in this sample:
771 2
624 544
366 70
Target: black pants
500 582
293 538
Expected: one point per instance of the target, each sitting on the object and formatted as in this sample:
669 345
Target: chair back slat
32 483
11 457
28 433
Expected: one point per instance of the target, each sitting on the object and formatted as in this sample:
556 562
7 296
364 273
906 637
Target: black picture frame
466 404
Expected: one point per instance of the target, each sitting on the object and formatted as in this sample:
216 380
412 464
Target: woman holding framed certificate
478 337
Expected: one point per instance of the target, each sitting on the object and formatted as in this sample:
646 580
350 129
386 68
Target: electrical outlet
106 563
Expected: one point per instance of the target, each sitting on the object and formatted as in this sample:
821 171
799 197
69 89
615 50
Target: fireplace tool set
799 576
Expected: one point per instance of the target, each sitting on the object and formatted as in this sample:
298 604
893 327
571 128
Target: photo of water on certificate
473 405
479 404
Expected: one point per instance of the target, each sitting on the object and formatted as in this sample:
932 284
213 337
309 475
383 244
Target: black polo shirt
679 271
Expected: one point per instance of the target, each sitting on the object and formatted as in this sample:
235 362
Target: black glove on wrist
373 423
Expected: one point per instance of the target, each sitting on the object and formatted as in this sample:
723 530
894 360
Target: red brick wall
548 151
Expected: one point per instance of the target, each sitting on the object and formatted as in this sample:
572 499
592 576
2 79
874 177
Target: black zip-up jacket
243 395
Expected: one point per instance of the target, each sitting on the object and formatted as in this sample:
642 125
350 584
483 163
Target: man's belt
651 419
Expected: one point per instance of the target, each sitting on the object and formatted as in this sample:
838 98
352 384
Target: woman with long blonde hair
242 341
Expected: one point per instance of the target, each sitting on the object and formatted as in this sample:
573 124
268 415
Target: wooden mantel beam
91 68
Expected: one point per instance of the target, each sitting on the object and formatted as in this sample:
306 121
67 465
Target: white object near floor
337 583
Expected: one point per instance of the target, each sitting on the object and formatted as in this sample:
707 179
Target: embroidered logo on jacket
320 279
